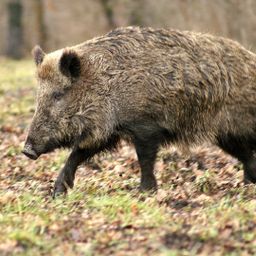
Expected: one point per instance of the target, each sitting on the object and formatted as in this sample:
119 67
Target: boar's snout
29 151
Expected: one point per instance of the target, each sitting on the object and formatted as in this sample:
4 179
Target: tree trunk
15 31
39 11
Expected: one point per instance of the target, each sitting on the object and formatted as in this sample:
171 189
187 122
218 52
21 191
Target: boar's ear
38 54
70 64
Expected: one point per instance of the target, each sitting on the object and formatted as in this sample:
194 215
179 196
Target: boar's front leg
146 153
66 177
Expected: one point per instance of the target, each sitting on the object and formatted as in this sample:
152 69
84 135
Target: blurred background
57 23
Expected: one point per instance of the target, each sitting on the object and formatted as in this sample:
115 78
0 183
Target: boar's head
56 120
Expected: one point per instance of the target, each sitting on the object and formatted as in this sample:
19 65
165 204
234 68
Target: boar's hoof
59 189
148 184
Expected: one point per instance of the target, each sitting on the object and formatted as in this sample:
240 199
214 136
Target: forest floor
201 206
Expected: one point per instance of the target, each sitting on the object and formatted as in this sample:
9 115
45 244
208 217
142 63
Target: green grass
195 211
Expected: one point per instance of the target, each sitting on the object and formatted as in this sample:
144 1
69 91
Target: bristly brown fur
45 72
153 86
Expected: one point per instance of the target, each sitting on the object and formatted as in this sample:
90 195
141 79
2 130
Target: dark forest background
57 23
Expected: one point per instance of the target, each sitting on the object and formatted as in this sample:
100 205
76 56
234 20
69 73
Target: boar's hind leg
146 153
241 149
250 171
66 177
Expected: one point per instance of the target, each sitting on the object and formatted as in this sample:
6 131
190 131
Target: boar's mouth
33 150
30 152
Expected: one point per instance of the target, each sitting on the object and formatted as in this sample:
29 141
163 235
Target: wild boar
150 87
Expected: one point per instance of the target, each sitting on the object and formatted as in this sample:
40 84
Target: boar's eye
57 95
